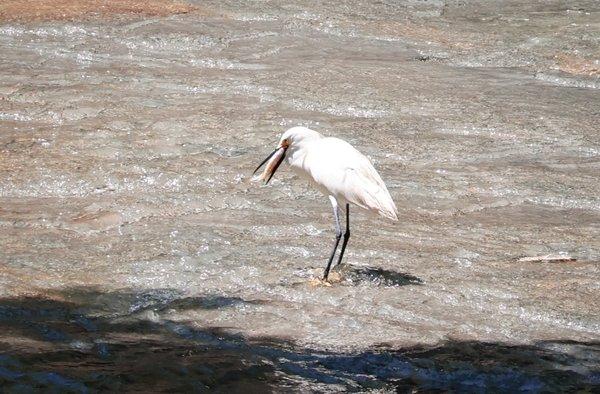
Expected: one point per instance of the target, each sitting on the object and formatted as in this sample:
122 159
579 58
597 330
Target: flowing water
137 255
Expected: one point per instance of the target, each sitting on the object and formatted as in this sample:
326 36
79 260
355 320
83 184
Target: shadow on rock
377 276
74 342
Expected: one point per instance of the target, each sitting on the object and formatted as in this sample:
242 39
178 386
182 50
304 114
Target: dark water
136 255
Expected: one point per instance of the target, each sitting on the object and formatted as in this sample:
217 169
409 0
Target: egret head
291 139
294 137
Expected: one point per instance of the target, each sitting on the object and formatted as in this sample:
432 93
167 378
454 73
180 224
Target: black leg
346 235
338 235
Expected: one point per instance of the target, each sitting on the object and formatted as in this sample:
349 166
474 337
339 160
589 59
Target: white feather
338 170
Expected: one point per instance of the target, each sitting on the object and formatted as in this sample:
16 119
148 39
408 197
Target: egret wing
368 193
342 171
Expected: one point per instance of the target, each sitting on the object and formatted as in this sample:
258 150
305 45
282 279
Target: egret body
338 170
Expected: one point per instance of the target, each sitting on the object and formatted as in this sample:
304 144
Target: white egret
338 170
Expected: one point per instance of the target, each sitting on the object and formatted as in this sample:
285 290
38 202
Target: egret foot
334 277
314 282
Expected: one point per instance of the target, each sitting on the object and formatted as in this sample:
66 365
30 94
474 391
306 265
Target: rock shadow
49 344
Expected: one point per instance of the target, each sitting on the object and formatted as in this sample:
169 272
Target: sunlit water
130 229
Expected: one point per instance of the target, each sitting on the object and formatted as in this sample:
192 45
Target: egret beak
274 161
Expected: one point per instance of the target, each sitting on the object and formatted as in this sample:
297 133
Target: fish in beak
273 161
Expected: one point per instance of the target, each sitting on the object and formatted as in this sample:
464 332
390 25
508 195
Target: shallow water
130 229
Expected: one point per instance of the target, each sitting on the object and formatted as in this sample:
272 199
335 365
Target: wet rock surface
136 255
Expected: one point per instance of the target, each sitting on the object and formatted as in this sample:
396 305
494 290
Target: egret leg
338 234
346 235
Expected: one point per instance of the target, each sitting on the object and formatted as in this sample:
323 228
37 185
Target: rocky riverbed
135 253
